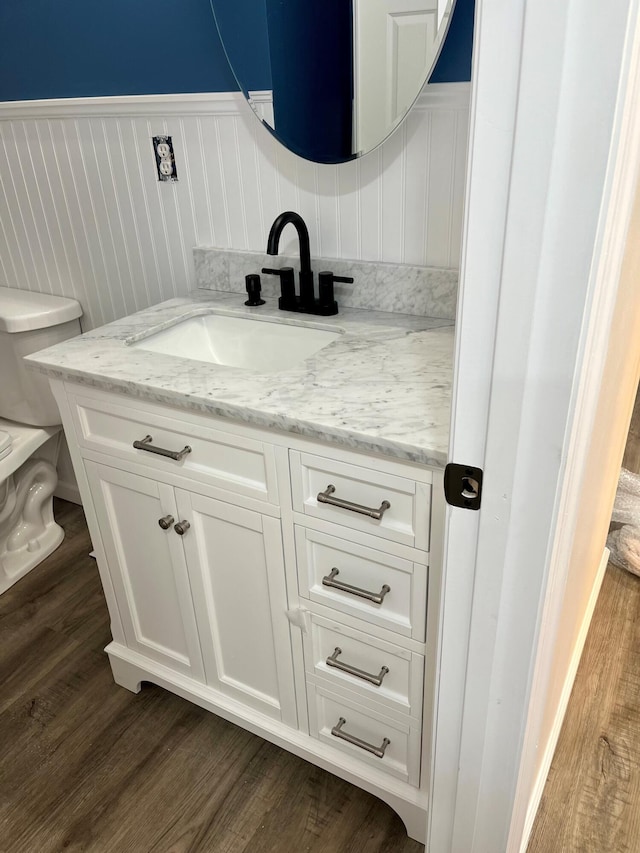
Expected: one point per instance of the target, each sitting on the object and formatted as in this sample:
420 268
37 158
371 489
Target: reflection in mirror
332 78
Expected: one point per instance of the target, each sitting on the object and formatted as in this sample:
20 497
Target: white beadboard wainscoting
82 213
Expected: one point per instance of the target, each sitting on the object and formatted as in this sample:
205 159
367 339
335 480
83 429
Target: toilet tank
30 322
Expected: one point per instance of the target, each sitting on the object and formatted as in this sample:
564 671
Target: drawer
379 671
403 607
346 494
357 730
235 463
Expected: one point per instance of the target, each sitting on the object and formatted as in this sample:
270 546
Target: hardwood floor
631 459
591 801
88 766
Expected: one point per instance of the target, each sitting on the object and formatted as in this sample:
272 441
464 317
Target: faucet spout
289 216
307 294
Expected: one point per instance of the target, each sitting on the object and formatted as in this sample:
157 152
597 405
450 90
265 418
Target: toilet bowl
30 429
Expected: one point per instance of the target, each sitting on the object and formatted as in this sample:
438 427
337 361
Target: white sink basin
257 345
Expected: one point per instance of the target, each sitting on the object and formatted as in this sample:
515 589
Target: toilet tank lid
24 310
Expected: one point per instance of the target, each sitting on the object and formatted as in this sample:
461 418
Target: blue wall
243 24
454 62
74 48
311 47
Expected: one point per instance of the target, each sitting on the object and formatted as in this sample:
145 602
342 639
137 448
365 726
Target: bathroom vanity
269 540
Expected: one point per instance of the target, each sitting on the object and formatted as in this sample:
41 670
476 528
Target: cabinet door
236 569
147 566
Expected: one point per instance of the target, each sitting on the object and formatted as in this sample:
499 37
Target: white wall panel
83 215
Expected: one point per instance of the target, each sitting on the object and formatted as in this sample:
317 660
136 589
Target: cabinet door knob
182 527
166 521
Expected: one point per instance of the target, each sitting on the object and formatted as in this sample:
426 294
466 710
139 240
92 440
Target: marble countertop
384 386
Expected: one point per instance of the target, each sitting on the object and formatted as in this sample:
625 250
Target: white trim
68 492
260 96
444 96
433 96
261 102
550 746
609 250
199 103
494 94
535 90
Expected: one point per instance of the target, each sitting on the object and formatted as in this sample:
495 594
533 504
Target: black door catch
463 485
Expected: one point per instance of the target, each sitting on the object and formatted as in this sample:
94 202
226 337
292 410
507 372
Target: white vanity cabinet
193 547
237 580
187 590
285 584
362 537
147 567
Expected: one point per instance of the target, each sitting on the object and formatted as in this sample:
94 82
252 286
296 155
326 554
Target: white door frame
553 145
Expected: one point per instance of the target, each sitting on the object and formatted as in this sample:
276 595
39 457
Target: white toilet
29 429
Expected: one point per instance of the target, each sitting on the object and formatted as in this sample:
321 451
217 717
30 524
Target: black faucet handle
252 283
287 301
327 305
328 277
283 271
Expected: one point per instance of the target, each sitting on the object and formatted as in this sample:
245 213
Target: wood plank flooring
591 801
88 766
631 459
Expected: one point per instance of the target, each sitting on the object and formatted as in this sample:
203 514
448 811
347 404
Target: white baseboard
550 747
68 492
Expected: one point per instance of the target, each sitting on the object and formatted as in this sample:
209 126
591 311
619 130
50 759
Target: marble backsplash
398 288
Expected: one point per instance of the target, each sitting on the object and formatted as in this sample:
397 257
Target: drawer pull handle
378 751
182 527
325 498
376 597
166 521
176 455
376 680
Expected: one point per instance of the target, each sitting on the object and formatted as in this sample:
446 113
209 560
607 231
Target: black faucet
307 295
306 302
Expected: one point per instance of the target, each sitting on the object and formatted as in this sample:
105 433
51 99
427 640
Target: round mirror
332 78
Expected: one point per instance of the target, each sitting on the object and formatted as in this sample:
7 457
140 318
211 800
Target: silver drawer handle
166 521
378 751
376 597
325 498
332 660
176 455
182 527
